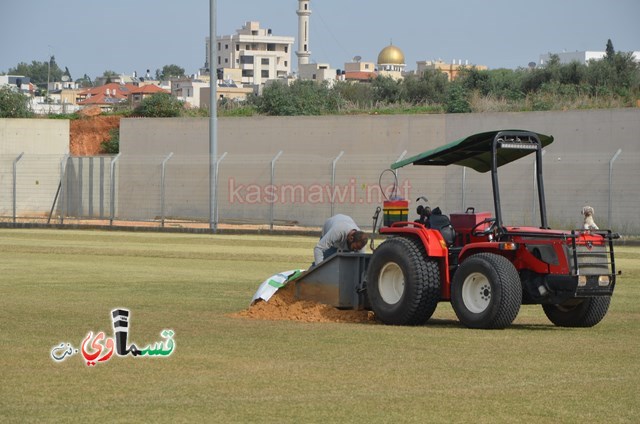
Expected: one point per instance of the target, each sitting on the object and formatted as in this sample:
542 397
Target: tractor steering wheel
490 229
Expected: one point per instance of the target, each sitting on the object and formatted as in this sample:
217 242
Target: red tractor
483 266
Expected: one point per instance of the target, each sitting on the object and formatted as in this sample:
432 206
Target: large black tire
486 291
403 285
578 312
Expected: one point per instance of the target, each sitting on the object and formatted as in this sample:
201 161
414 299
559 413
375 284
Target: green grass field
56 286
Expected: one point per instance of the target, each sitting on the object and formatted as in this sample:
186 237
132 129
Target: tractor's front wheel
578 312
486 291
403 285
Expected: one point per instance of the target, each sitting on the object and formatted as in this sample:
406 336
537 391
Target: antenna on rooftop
357 58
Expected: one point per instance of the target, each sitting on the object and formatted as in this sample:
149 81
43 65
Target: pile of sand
284 306
88 132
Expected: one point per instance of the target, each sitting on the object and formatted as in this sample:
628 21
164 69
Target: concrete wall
44 143
576 166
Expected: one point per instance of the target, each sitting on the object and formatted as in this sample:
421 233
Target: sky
90 37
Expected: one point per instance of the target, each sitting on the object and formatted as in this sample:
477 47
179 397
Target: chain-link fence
304 189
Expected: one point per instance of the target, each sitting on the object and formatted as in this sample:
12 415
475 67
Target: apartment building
260 54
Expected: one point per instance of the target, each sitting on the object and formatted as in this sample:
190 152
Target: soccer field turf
58 285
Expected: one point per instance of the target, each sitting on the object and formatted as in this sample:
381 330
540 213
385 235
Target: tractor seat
440 222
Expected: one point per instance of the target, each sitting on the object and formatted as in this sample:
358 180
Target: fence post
273 163
162 173
215 216
611 184
61 199
15 164
112 191
333 179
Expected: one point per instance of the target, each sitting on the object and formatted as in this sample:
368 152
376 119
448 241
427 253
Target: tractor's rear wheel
486 291
403 285
578 312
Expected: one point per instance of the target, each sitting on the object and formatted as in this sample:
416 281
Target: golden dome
391 55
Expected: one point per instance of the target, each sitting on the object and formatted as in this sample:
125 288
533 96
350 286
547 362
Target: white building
317 72
580 57
260 55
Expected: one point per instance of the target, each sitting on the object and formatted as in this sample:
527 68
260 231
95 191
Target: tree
299 98
169 71
160 105
13 104
457 99
39 72
112 146
84 82
610 52
430 87
387 90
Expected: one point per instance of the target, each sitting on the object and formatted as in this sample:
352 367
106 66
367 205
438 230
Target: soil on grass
284 306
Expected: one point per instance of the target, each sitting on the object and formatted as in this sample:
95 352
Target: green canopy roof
475 151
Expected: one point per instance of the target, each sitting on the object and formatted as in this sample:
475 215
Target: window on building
237 47
226 47
313 76
226 60
271 47
254 32
286 49
366 66
246 60
254 46
247 72
218 60
286 63
218 46
265 73
265 61
247 47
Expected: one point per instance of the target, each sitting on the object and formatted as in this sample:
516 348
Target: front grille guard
589 259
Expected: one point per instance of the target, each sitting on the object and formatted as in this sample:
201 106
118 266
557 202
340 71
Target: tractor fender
484 247
434 243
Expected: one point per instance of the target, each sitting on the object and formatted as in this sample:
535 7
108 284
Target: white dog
589 223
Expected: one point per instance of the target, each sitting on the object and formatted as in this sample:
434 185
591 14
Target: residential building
451 69
105 96
359 71
581 57
18 82
317 72
260 55
138 94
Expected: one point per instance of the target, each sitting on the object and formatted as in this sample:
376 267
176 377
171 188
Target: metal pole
533 192
162 173
273 163
333 179
216 186
61 199
213 115
611 184
112 191
15 164
464 179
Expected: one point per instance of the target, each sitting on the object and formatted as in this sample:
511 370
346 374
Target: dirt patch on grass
284 306
86 134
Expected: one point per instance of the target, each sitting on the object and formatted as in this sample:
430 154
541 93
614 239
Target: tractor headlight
582 280
604 280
